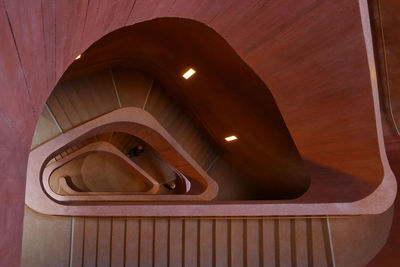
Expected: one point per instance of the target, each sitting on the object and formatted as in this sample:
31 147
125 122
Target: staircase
102 241
79 100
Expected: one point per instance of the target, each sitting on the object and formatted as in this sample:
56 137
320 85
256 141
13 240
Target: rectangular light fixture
231 138
189 73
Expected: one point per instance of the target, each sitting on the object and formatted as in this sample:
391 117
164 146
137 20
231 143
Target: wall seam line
244 236
44 40
169 242
277 243
331 242
83 241
84 23
293 245
154 244
111 235
125 225
19 57
71 247
183 241
97 240
53 118
386 69
130 12
148 94
212 164
261 242
309 242
198 243
229 242
214 244
115 88
139 241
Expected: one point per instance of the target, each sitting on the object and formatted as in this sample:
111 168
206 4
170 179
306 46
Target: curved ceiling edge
383 195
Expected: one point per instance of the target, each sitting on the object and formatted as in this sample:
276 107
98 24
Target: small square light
189 73
231 138
78 56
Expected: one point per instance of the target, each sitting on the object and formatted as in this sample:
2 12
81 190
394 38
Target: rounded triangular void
163 154
133 77
96 167
224 97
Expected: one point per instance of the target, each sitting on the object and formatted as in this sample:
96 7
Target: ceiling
225 97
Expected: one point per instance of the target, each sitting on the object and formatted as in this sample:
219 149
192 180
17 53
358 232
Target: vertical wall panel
118 242
132 242
206 242
330 259
252 243
14 103
104 242
285 253
62 108
268 244
161 243
46 128
175 243
77 100
236 238
91 95
46 240
27 27
221 243
301 242
132 86
146 242
90 242
158 103
318 244
78 230
174 120
190 242
178 124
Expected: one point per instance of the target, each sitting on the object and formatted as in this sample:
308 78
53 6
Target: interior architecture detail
199 133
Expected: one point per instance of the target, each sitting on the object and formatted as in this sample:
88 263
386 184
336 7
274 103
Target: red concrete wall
39 40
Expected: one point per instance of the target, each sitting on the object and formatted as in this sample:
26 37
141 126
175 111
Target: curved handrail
104 147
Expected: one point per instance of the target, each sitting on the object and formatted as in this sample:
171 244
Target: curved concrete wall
327 65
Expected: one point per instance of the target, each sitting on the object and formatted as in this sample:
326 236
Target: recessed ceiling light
78 56
189 73
231 138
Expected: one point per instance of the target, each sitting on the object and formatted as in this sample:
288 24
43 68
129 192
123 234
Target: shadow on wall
334 186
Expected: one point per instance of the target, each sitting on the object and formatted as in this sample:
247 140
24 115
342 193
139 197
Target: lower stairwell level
125 241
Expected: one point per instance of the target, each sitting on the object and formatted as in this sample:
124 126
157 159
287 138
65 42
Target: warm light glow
231 138
78 56
189 73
